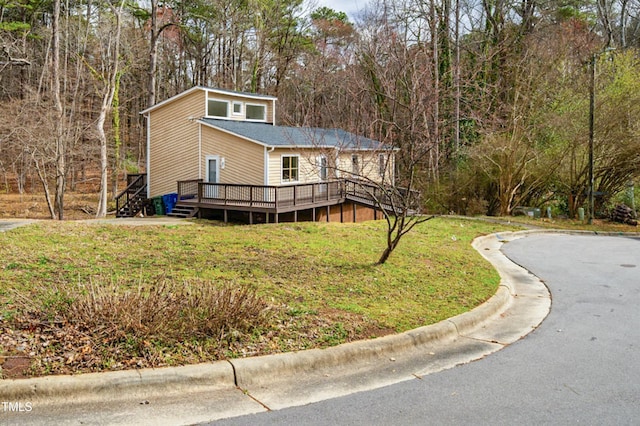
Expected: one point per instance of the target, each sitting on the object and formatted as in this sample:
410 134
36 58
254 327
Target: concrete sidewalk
200 393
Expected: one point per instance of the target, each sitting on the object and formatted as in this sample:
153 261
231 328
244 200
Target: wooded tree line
487 99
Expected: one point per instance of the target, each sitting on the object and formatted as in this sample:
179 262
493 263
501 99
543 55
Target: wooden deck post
328 213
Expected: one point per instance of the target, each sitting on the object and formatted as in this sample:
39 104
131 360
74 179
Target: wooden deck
273 201
270 200
279 199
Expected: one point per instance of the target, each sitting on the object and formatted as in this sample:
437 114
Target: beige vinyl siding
369 165
244 160
269 104
343 165
173 151
308 170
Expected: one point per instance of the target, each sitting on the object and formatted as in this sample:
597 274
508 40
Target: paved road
581 366
6 225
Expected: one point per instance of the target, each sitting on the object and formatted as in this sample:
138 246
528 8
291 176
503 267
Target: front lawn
77 296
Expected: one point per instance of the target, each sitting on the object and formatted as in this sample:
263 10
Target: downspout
148 117
199 150
267 150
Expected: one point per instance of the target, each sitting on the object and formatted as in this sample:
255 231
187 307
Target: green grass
319 279
307 266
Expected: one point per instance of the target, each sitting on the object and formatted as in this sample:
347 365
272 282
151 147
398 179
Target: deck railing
130 201
387 197
188 189
294 196
259 196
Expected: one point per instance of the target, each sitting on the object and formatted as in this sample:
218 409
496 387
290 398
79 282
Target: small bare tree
400 205
368 169
26 135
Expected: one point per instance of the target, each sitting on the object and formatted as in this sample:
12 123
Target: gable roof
295 137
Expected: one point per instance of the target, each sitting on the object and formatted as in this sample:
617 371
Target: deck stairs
184 211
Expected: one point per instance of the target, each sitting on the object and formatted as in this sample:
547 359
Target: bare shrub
145 321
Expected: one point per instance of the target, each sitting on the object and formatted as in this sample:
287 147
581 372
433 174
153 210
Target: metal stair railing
131 199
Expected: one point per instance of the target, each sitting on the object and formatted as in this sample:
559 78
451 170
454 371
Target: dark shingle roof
306 137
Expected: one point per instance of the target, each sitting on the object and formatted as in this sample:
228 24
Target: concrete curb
258 371
132 383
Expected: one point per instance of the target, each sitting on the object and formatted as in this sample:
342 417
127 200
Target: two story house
223 154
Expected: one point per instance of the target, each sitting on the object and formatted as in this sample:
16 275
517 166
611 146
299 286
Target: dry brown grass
34 206
97 326
167 311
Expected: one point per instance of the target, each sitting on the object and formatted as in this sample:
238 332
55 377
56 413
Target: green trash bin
158 205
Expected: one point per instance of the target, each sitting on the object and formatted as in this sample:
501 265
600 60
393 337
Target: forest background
494 94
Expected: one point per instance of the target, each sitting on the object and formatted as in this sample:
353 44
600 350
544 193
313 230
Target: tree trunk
102 203
153 55
110 81
42 175
59 117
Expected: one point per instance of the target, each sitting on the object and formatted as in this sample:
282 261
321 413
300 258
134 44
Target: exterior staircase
184 210
133 199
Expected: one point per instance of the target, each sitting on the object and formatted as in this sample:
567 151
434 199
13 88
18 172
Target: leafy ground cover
599 225
89 296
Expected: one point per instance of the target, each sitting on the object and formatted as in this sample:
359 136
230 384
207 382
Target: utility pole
592 99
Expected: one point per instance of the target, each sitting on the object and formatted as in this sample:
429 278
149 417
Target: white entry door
213 175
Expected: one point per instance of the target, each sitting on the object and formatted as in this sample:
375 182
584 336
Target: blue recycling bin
169 201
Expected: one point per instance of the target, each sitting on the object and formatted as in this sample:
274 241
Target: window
290 168
355 165
323 166
237 108
256 112
217 108
382 165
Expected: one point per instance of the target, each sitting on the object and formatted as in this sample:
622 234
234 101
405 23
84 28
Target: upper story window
217 108
256 112
236 109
